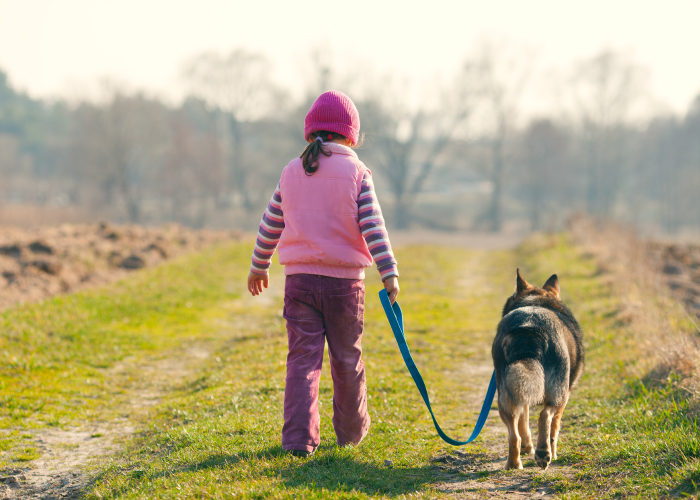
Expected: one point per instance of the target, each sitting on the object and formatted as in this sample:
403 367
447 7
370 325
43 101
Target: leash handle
395 317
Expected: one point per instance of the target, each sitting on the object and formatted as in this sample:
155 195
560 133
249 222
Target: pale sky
51 48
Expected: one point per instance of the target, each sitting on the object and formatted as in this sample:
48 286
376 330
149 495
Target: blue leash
395 317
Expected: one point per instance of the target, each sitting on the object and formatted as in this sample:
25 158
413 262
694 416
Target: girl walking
326 220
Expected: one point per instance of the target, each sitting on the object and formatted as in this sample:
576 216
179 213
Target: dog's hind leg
554 433
526 447
510 417
543 455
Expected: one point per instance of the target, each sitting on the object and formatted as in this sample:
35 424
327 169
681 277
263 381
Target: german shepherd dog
538 358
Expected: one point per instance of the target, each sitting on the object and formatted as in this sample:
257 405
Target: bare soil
482 476
58 473
679 265
38 263
481 472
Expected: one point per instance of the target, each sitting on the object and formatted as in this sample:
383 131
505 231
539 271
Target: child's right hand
391 285
256 282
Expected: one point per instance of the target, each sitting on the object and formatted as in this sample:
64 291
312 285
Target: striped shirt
370 220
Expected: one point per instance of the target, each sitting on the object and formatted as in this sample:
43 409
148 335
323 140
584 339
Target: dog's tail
525 381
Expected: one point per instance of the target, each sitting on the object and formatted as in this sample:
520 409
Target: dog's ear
552 285
521 284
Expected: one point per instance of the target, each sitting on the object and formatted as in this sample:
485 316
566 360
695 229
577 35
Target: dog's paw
513 465
527 449
543 458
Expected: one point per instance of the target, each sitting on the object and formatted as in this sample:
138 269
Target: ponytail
309 158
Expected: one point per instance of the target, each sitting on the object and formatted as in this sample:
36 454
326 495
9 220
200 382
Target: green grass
57 356
217 431
630 439
221 435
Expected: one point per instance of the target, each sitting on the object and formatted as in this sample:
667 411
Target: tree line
463 153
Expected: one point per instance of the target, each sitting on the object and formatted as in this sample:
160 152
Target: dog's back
538 358
536 352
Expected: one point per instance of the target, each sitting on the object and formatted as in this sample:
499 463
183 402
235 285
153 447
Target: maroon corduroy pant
320 308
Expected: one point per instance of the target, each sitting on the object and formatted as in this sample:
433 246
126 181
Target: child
325 216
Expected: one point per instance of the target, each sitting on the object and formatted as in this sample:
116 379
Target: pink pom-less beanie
335 112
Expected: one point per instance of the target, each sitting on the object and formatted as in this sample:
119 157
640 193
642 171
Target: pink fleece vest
321 232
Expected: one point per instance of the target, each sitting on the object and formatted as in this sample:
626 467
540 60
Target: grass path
172 384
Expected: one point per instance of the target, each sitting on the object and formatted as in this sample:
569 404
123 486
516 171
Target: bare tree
239 84
692 128
604 92
669 160
133 156
122 146
544 154
503 71
408 143
194 171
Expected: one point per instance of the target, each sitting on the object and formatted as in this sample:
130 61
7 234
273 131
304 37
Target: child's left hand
256 282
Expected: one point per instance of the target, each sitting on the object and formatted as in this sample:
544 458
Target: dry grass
667 333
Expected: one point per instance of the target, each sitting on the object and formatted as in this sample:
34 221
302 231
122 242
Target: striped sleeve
271 227
373 229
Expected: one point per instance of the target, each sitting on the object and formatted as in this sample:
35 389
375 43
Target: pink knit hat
335 112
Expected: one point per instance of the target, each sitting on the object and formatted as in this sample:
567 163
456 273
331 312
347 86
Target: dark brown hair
309 158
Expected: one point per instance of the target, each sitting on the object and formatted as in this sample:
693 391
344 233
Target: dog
538 358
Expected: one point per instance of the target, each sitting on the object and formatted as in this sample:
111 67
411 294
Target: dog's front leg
556 425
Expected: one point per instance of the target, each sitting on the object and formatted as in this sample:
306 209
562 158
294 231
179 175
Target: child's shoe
302 453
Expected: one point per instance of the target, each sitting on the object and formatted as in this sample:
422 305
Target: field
40 262
169 384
